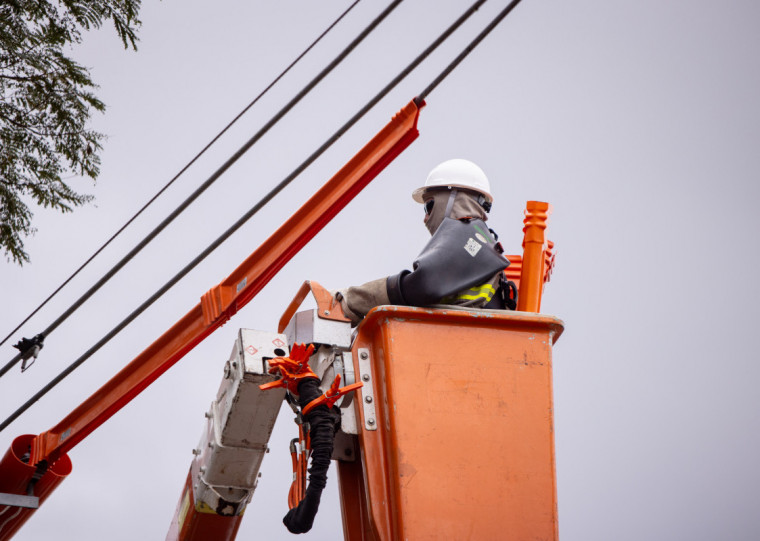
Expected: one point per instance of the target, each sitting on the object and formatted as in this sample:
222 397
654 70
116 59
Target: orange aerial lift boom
35 465
450 434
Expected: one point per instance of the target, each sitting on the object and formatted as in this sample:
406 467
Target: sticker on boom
472 247
241 285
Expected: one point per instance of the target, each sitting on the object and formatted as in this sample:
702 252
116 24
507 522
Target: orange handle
327 306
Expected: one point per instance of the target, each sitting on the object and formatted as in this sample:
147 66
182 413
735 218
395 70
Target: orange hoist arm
224 300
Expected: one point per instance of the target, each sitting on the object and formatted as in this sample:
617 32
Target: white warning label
472 247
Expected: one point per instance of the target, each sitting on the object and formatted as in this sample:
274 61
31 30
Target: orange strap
332 395
292 369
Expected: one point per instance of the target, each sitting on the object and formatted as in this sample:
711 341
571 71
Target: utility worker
462 264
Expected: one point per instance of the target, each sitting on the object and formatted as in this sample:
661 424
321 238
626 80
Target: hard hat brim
419 192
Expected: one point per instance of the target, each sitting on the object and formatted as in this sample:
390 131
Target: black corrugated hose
323 424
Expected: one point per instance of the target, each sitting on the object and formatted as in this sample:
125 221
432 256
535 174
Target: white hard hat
456 173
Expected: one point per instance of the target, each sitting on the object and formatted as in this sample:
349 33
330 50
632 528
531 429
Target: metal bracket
29 348
368 391
347 365
17 500
345 447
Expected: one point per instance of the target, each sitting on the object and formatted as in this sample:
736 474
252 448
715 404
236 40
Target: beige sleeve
356 301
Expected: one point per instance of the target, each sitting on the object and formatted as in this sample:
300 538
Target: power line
287 180
467 50
37 340
187 166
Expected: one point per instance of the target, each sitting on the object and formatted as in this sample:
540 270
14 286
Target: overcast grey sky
638 120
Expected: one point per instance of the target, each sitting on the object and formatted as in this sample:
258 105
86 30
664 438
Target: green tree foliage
46 100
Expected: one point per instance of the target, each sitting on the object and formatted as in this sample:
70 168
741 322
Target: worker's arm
356 301
461 254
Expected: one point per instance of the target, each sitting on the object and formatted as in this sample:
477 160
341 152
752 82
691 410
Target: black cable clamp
30 349
508 293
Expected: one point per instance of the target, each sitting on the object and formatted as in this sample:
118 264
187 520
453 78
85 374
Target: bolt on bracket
368 390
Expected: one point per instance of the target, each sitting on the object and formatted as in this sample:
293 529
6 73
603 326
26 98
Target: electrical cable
323 423
203 187
185 168
466 51
234 227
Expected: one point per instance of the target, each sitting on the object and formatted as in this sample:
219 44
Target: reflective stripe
485 291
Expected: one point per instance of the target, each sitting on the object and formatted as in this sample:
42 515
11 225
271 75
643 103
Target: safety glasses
429 206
